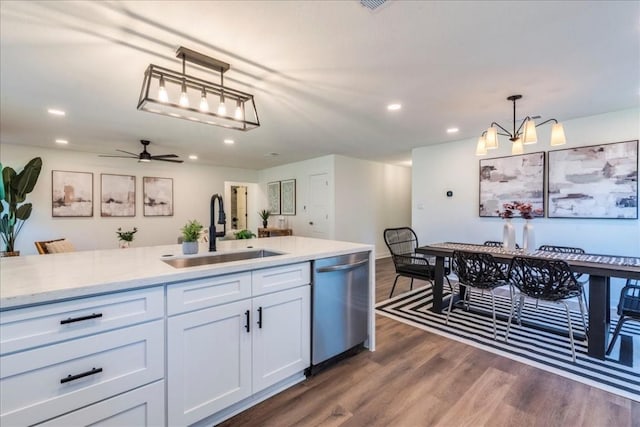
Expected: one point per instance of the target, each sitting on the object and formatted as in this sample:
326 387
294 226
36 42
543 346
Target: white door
281 336
318 206
209 361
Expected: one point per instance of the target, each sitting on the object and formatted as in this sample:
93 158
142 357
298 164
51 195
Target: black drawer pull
81 318
260 317
82 375
246 325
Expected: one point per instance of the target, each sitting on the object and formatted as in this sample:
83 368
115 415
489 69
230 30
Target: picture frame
157 196
71 194
511 179
117 195
288 197
595 181
273 197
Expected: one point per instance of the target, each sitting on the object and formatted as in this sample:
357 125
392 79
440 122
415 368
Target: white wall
193 186
370 197
454 166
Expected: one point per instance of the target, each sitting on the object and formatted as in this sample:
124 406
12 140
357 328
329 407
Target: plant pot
189 248
9 253
265 224
124 244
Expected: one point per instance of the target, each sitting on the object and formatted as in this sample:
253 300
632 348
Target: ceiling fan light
530 136
204 105
481 147
517 147
163 96
557 135
491 139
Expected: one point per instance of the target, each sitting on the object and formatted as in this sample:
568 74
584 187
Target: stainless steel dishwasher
340 306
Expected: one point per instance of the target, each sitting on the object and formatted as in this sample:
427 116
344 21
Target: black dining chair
476 270
578 276
544 280
402 243
628 308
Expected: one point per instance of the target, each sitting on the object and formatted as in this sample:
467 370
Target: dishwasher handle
341 267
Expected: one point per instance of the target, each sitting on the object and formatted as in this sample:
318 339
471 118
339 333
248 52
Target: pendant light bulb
163 96
222 109
184 100
204 105
491 139
517 147
530 136
557 135
481 148
238 113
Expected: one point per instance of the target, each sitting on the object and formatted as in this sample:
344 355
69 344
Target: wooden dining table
600 268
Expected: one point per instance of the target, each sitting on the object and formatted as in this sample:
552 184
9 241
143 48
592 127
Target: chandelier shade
177 94
524 134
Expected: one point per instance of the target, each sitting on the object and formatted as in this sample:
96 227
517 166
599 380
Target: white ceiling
322 72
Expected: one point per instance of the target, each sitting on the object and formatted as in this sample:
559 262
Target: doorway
239 211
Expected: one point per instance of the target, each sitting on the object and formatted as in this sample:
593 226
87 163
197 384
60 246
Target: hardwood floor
415 378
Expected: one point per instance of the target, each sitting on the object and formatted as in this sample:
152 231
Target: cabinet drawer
46 324
143 407
280 278
39 384
207 292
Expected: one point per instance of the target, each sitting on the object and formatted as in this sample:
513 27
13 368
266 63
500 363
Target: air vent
372 4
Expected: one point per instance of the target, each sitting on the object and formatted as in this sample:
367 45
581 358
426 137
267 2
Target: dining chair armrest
411 259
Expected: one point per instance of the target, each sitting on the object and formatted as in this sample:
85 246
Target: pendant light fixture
524 134
164 82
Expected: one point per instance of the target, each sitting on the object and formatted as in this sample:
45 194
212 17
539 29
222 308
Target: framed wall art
512 179
597 181
117 195
288 197
273 197
157 196
71 194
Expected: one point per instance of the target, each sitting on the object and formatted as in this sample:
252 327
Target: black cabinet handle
246 325
260 317
78 376
81 318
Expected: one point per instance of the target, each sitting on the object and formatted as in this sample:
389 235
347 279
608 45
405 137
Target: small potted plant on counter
264 214
244 234
190 233
126 237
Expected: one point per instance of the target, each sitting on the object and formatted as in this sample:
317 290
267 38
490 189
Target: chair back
401 241
54 246
545 279
561 249
479 270
629 304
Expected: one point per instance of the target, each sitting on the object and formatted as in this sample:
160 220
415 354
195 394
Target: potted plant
190 233
244 234
264 214
15 212
126 237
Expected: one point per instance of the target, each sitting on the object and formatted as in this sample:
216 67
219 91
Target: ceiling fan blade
121 157
163 155
133 154
169 160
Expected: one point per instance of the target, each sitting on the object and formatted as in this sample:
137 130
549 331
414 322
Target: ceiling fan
145 156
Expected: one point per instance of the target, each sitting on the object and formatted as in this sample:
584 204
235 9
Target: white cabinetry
220 355
58 357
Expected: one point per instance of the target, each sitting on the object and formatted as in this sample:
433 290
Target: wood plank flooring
415 378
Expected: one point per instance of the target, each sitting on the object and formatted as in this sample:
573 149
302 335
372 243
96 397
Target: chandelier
182 96
524 134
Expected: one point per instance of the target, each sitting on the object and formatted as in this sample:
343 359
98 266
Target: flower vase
528 240
124 244
508 235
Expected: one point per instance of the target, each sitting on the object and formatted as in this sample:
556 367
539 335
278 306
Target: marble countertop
36 279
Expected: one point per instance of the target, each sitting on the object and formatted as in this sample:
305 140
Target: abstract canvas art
288 195
71 194
512 179
273 197
157 196
597 181
117 195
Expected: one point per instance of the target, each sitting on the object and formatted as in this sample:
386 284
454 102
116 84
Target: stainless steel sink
219 258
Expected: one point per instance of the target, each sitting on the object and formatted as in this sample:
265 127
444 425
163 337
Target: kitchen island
121 335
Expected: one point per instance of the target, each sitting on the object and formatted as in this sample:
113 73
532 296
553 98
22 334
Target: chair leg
584 320
450 304
411 288
394 285
615 334
573 347
512 294
493 310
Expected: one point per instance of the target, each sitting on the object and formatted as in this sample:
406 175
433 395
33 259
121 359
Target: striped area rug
527 344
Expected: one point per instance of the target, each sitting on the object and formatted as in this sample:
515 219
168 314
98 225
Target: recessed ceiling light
193 157
272 154
394 107
56 112
452 130
229 141
61 141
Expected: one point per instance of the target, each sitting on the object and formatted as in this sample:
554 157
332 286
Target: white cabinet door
281 336
208 361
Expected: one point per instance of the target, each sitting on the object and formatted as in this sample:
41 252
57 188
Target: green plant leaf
26 180
1 187
8 174
24 211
